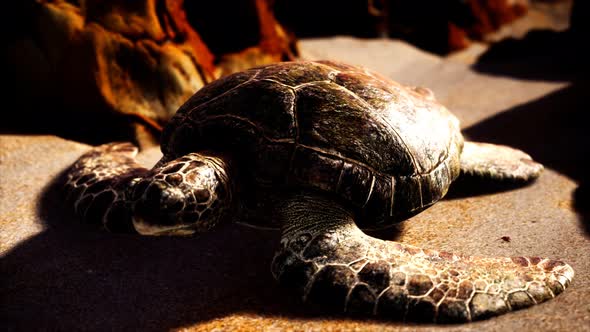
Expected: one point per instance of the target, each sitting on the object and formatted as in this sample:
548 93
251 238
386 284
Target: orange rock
242 34
134 61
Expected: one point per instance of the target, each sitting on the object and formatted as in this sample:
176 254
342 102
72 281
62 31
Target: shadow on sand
79 278
553 129
75 277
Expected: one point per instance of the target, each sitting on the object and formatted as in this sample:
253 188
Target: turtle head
182 197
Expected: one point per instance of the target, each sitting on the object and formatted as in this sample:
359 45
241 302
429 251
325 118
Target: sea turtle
322 149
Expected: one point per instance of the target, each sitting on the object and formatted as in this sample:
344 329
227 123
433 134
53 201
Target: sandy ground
58 275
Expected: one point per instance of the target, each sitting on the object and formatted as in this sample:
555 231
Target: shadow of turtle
73 277
464 187
543 54
553 128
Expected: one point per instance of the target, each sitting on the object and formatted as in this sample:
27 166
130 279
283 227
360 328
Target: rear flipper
498 162
108 187
333 264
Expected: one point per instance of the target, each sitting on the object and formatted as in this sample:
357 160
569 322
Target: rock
112 62
439 27
435 26
144 60
125 66
242 34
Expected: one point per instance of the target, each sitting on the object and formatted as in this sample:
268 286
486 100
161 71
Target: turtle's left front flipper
96 185
183 196
498 163
332 263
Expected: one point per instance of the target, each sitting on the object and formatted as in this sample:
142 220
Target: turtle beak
145 228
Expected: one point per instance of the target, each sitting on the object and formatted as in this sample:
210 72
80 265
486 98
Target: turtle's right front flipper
498 163
332 263
108 187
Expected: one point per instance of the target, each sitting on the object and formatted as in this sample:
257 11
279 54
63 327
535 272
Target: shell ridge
382 118
247 121
224 93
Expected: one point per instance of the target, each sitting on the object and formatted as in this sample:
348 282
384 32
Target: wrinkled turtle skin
322 149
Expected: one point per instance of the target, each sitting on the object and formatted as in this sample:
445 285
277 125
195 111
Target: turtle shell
388 150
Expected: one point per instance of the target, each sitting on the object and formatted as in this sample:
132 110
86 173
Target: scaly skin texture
498 163
186 195
97 185
332 263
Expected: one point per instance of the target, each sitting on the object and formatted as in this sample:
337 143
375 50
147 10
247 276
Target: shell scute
332 118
